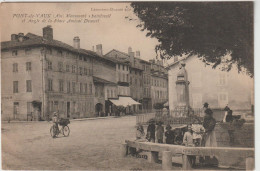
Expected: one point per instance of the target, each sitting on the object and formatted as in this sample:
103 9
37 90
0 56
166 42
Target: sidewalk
72 120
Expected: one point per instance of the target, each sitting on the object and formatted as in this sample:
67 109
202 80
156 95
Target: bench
169 150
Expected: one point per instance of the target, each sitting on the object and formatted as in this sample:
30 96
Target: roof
118 59
177 62
31 40
101 80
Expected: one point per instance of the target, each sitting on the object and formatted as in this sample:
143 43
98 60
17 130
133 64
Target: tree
210 30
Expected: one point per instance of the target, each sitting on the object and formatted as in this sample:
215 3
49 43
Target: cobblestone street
92 144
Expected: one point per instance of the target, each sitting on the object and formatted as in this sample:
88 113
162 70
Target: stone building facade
42 75
159 83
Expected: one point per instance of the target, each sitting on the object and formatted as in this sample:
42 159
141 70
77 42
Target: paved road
92 144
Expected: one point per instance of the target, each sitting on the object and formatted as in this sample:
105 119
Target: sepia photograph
127 85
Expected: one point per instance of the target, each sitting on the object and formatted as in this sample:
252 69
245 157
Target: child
179 136
169 134
188 142
197 130
188 137
159 132
140 133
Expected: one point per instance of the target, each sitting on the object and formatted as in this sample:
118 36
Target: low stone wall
244 137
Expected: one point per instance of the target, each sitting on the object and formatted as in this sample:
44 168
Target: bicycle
65 130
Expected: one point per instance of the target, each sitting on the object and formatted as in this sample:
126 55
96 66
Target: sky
115 32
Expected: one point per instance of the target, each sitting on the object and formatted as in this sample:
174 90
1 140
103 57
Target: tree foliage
210 30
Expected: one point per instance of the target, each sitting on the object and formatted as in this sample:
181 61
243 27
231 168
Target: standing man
159 132
151 131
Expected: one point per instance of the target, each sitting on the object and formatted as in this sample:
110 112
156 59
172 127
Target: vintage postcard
127 86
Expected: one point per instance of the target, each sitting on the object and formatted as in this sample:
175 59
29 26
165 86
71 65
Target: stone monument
182 90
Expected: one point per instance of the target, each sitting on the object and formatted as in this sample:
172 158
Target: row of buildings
41 75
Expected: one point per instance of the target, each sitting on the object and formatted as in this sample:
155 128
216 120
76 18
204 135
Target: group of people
198 133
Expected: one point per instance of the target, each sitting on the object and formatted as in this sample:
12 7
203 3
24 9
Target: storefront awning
124 101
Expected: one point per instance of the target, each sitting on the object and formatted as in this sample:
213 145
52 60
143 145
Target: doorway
68 109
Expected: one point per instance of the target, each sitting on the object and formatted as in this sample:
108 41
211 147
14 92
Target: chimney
129 50
20 37
131 54
14 37
99 49
47 33
132 57
76 42
93 48
138 54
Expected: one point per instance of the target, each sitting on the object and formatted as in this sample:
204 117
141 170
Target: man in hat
151 131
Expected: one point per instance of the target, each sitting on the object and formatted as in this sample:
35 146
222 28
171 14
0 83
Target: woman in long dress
209 137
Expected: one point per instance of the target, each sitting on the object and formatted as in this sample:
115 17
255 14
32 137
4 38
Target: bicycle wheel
66 131
52 131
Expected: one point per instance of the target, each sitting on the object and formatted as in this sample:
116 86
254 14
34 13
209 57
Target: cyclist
55 121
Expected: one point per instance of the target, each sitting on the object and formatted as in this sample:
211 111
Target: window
28 51
90 72
14 53
29 108
67 68
86 88
108 93
127 79
68 87
28 85
59 53
80 88
123 67
16 108
80 70
60 66
15 86
85 71
123 77
61 85
119 76
222 99
111 95
28 66
15 67
49 63
90 88
49 84
222 79
73 69
119 66
73 87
